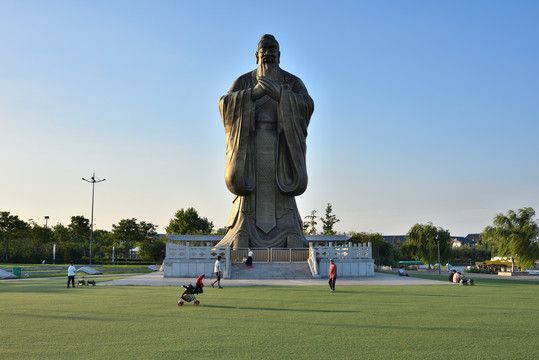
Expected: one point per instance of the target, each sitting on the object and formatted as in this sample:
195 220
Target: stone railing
184 250
351 259
341 251
185 260
193 258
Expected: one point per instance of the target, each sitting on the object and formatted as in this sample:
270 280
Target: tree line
31 243
513 235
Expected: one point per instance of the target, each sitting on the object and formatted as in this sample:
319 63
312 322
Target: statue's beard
268 69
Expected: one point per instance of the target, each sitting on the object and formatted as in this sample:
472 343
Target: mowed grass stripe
42 319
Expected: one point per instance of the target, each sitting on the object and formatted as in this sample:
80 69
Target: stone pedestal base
348 267
190 268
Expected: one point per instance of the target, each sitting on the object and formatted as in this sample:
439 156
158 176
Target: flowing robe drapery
265 161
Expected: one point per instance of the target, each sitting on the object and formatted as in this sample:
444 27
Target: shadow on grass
70 317
277 309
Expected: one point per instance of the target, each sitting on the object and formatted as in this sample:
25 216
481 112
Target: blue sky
425 111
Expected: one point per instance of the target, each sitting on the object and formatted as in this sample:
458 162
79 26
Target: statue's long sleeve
237 112
294 114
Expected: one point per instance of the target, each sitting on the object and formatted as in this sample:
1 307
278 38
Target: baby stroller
190 291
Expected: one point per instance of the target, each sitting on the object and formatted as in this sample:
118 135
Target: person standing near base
71 274
217 269
249 262
332 275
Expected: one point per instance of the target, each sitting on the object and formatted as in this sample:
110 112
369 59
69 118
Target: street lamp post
54 245
439 265
93 181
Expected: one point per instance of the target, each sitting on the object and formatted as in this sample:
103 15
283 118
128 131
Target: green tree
102 244
469 255
151 246
516 236
221 231
66 248
309 225
328 221
12 232
404 253
188 222
127 235
383 253
421 243
80 232
60 234
38 239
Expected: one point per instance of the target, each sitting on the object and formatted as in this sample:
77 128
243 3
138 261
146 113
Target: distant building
474 237
396 240
459 241
456 241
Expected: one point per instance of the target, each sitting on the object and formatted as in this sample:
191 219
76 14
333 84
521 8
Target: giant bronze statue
266 114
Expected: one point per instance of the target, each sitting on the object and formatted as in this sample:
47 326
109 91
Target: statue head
268 50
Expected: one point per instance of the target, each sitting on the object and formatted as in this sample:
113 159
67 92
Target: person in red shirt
332 275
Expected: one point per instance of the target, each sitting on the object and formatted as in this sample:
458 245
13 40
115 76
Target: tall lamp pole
92 181
54 245
439 265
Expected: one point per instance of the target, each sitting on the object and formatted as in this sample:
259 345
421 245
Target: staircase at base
295 270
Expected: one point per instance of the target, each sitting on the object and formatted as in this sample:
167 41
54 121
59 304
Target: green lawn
109 269
42 319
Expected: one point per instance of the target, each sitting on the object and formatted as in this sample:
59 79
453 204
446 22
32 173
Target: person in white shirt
217 269
71 274
249 262
401 272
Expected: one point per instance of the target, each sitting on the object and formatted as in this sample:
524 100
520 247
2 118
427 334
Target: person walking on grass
332 275
71 274
217 269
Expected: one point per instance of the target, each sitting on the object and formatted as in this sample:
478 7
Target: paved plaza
157 279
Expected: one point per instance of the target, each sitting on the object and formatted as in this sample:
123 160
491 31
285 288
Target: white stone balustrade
352 260
184 260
